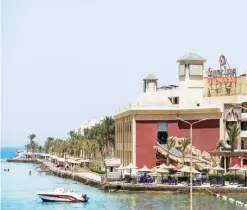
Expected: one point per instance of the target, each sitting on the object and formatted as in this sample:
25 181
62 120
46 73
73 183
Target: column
133 140
225 163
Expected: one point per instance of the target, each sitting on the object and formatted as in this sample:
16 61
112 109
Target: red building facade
205 137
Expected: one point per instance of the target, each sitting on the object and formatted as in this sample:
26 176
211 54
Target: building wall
205 134
123 139
146 138
236 160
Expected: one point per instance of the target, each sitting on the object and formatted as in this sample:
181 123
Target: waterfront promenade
86 176
96 180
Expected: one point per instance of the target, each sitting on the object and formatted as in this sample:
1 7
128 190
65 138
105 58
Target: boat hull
61 198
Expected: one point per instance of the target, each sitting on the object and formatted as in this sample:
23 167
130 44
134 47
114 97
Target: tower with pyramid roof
191 67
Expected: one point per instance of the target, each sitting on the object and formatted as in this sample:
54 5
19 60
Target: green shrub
96 170
227 177
231 176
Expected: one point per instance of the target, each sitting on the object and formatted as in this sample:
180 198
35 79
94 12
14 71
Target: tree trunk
167 160
183 160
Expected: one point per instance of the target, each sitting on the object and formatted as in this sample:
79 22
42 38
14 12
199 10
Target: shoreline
136 188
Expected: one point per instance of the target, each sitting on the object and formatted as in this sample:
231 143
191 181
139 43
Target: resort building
87 124
213 96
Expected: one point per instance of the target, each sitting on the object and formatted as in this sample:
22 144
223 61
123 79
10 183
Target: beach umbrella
186 169
161 166
144 169
235 168
154 174
154 169
244 169
218 168
130 166
162 171
121 167
170 167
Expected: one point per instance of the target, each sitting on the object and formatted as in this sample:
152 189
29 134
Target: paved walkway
86 175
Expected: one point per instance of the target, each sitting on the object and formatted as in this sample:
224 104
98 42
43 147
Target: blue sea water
8 152
18 192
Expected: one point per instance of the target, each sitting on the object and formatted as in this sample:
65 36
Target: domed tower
150 83
191 84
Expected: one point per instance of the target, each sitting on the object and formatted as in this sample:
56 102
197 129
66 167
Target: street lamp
191 125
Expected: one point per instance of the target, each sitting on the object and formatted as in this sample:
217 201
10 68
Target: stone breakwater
173 189
21 160
71 175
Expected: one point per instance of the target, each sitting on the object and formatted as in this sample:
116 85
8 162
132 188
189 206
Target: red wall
146 138
236 160
205 134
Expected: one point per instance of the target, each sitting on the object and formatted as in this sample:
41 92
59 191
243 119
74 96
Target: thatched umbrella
244 169
170 167
121 167
144 169
130 166
162 171
235 168
186 169
163 165
218 168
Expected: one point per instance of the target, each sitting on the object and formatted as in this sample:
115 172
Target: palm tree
71 133
32 143
170 144
233 132
48 144
108 128
220 144
184 145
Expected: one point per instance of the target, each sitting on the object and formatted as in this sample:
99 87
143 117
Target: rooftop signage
223 75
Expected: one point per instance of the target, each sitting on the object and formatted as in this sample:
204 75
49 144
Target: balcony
243 133
244 116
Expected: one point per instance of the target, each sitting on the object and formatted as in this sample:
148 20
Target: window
162 137
244 126
244 162
176 100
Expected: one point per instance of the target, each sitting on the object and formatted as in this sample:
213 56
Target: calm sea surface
18 192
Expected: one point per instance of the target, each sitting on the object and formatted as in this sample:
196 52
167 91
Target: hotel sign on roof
224 75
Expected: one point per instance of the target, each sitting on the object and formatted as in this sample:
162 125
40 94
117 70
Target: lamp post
191 126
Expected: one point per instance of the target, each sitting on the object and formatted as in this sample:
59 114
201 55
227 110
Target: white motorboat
60 196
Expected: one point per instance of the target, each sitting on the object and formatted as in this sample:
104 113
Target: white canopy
244 168
144 169
130 166
235 167
162 170
170 167
218 168
163 165
154 174
186 169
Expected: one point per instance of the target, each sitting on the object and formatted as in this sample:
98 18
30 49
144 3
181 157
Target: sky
68 61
